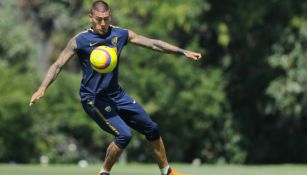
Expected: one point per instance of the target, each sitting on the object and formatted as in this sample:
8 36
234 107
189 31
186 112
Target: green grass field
149 169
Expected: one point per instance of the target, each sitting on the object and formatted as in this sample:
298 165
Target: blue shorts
117 112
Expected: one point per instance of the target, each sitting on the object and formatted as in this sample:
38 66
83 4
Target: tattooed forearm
162 46
56 67
113 152
154 44
51 75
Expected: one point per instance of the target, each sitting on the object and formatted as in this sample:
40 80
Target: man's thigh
106 116
136 117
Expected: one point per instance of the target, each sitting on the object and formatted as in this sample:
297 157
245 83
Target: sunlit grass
150 169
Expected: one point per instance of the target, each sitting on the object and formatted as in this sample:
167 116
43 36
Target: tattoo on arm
51 75
157 45
162 46
56 67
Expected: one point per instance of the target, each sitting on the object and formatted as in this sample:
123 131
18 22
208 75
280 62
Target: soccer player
102 97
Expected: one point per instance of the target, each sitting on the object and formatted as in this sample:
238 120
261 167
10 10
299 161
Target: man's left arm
160 46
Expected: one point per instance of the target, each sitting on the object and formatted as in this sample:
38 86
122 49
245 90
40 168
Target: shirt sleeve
125 34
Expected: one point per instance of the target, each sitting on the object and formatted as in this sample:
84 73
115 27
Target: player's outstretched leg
157 150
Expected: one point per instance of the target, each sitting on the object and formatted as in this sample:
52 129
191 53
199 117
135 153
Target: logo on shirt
114 40
108 108
93 44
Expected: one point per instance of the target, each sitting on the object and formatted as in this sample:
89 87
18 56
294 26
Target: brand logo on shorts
108 109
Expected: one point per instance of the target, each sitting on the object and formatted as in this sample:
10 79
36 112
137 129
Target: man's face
100 21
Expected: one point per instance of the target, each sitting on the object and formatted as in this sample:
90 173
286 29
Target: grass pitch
150 169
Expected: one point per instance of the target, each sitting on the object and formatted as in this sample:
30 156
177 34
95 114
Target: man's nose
102 23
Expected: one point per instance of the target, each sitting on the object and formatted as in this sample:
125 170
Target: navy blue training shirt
94 83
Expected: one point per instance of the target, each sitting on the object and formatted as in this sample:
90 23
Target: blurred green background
243 103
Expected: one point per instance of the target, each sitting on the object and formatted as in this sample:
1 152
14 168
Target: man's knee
153 133
123 140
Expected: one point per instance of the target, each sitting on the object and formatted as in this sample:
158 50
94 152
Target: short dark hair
100 6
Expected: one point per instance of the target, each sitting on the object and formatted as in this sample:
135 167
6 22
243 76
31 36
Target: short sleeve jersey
94 83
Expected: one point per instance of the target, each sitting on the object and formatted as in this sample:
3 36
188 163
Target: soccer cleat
172 172
103 173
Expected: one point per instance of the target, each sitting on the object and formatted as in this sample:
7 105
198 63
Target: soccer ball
103 59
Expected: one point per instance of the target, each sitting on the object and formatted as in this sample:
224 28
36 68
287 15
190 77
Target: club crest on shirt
114 41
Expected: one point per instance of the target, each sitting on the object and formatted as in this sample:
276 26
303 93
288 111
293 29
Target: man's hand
37 95
193 55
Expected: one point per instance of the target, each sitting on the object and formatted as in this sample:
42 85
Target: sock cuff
104 172
165 170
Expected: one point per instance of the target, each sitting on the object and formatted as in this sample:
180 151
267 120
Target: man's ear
90 16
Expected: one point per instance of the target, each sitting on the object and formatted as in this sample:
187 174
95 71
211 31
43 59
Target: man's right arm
54 70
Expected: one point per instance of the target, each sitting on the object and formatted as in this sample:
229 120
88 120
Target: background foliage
244 102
